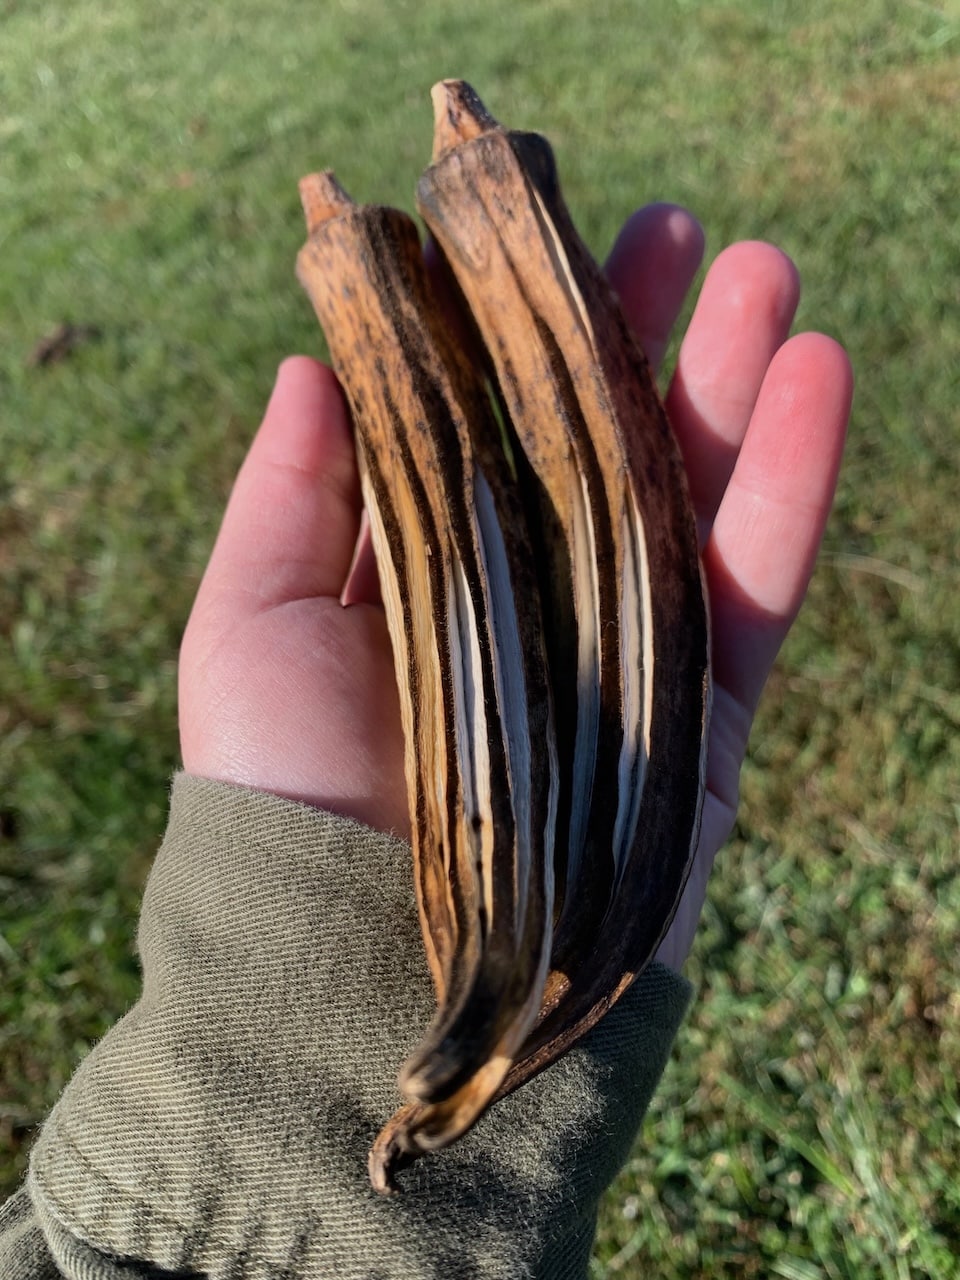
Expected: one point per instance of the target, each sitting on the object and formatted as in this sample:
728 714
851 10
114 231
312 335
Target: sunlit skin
284 689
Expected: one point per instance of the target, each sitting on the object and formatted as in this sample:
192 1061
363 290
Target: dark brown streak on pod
459 892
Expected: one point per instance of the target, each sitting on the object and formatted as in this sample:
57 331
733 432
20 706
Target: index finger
651 267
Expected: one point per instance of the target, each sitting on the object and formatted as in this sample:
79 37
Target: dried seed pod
539 565
619 553
459 588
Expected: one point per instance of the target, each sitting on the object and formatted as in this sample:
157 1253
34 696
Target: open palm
285 690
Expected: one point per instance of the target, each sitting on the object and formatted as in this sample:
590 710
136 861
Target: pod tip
458 116
322 198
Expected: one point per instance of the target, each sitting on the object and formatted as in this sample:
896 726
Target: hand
285 690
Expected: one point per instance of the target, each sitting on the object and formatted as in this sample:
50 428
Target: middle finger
743 315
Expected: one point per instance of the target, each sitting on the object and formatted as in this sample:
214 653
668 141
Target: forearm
222 1127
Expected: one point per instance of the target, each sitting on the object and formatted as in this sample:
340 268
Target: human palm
284 689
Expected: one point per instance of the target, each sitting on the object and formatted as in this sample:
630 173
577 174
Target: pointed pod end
381 1164
458 116
322 198
393 1150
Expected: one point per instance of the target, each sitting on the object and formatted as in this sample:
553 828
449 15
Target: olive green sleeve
221 1129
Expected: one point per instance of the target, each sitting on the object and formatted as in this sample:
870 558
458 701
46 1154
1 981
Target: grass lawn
809 1123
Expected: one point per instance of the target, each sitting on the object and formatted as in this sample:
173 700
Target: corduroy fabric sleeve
221 1129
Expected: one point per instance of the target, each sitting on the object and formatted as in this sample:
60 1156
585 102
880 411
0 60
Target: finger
742 317
292 520
651 267
363 581
768 529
